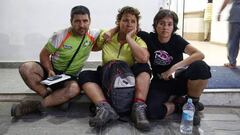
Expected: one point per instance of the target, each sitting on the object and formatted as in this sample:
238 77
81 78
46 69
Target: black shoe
24 108
138 116
92 109
179 101
199 106
196 118
104 114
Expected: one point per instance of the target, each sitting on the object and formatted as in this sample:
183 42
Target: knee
199 64
72 90
144 75
25 67
142 79
198 70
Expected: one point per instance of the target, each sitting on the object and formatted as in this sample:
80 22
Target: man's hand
51 73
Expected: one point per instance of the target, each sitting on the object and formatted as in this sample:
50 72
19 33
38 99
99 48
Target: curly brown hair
128 10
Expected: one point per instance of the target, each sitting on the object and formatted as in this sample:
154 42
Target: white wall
220 28
194 5
26 25
194 24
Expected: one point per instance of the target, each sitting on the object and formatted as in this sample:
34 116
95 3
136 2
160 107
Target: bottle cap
189 100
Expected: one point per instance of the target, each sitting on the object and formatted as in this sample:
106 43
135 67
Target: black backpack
118 82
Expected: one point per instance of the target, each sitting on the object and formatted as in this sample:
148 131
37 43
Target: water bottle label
188 115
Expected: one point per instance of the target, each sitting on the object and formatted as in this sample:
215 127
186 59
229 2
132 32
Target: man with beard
65 52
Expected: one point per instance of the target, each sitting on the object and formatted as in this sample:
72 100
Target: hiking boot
104 114
24 108
138 116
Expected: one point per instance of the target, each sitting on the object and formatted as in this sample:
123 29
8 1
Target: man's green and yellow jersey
63 45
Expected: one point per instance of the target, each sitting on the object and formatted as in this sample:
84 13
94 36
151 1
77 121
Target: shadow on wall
33 44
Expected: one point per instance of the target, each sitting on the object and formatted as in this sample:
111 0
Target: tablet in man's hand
55 77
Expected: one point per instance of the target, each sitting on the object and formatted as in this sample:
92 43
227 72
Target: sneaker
138 116
24 108
196 118
179 101
199 106
104 114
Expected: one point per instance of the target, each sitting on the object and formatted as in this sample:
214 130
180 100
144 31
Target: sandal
230 65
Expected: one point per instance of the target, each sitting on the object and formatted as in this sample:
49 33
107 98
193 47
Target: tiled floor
215 121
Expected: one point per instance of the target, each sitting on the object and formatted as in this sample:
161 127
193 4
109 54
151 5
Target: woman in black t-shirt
172 74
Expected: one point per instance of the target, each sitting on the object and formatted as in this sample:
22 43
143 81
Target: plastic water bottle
186 125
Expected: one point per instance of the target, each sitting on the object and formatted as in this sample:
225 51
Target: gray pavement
74 121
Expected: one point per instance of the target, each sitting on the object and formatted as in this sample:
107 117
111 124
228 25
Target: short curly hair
127 10
165 13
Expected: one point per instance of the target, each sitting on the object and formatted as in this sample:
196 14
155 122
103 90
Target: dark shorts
95 76
161 90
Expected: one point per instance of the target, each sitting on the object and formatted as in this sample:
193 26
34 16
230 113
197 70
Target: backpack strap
66 37
69 63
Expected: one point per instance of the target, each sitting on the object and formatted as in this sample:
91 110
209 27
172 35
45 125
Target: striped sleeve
55 40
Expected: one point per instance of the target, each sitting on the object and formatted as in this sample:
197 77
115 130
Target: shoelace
100 110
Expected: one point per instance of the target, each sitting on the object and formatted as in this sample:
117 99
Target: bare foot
232 66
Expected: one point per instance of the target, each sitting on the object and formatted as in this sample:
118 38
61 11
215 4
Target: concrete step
17 97
12 88
221 97
210 97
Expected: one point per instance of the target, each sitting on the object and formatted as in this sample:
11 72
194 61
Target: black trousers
161 90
